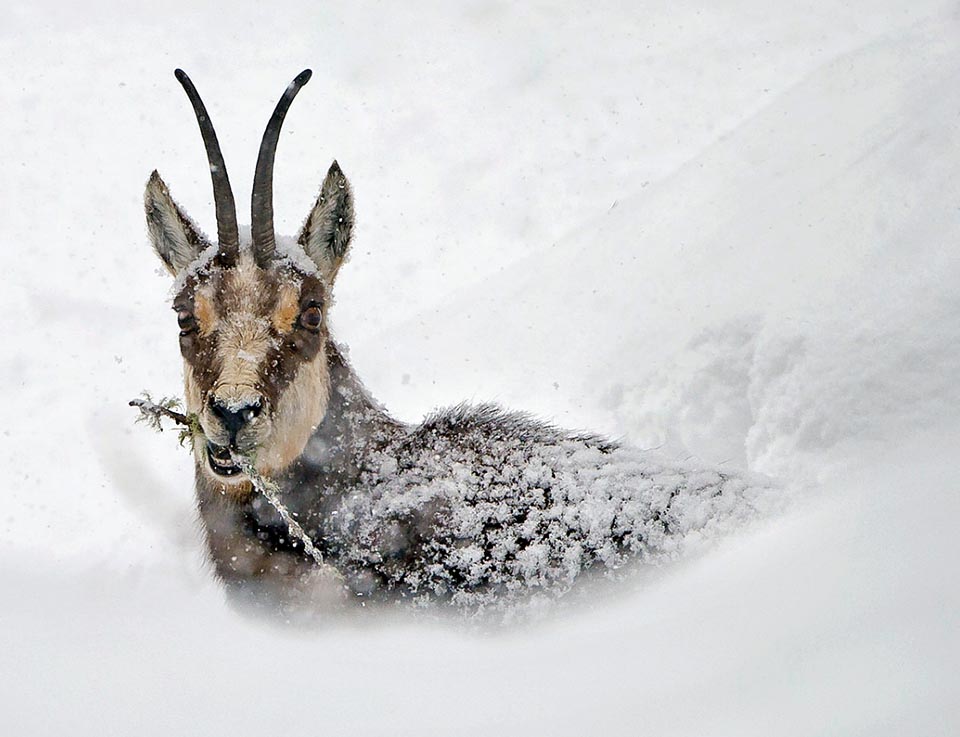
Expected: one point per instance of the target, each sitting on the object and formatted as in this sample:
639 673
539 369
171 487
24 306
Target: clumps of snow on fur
198 267
289 249
479 509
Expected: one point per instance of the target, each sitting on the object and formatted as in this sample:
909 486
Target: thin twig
272 493
151 412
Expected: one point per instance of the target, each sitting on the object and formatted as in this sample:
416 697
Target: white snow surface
727 232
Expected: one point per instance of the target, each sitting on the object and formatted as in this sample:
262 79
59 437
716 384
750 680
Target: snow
729 233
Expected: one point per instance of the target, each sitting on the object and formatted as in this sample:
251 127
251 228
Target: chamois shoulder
488 422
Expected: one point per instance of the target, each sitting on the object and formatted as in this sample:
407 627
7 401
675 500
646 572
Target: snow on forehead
197 268
287 249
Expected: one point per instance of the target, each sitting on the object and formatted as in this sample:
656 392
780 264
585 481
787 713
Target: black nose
234 416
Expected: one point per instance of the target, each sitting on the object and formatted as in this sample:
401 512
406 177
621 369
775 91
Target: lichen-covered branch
152 412
272 493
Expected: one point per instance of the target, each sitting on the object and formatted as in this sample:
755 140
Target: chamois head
252 314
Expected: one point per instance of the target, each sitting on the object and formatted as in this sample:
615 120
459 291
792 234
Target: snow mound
730 231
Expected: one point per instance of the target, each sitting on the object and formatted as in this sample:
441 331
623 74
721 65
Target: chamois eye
311 317
186 321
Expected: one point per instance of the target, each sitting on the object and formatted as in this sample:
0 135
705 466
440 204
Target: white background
731 233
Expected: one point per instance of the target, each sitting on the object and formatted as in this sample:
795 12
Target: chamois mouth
220 460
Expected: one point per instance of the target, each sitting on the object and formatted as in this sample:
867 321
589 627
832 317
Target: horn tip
304 77
179 74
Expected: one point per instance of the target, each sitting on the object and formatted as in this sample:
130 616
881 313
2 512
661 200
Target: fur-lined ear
326 235
174 237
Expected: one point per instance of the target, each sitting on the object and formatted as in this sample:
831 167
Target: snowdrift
727 234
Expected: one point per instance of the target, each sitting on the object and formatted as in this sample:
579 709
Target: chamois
476 507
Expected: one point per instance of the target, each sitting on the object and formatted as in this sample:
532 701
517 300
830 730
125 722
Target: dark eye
186 321
311 317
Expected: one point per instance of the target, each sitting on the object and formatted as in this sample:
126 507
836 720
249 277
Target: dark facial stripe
230 294
299 346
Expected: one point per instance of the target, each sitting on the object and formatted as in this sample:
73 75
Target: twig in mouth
151 412
272 493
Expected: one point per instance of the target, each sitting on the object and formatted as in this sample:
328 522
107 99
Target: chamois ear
325 236
174 237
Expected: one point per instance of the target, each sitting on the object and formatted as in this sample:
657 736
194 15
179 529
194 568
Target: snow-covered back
726 232
491 513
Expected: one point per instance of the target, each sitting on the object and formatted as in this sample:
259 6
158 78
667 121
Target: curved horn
261 216
227 234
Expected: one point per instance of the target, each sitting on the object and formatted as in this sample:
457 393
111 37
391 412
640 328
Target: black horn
261 216
227 233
